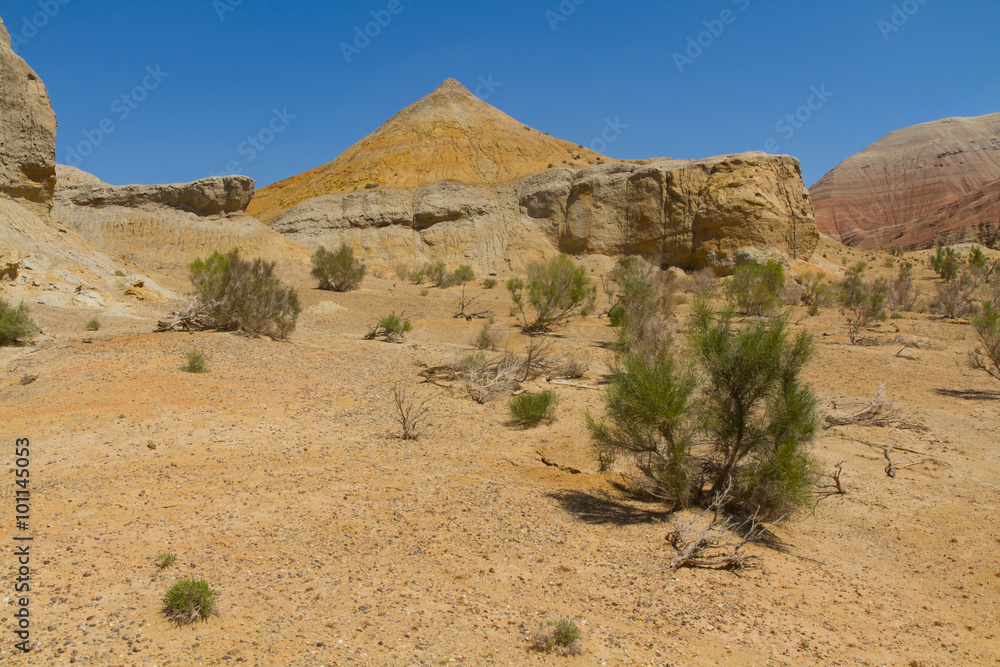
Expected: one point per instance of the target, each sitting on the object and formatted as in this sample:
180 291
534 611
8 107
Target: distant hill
916 186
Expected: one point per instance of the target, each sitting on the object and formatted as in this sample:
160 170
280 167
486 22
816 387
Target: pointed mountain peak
452 87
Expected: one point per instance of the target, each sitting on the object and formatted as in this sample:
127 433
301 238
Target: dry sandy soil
279 477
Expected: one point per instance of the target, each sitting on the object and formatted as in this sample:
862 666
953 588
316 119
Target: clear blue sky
563 66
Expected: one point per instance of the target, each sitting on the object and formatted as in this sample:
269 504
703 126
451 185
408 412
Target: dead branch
464 304
193 317
878 413
837 488
719 542
890 468
409 413
927 457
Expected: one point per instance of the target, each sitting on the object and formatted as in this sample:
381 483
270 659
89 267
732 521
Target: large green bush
337 271
16 324
240 295
862 301
986 357
740 429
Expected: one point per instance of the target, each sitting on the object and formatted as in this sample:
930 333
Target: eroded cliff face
169 225
27 133
690 213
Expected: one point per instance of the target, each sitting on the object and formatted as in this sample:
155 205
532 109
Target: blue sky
157 92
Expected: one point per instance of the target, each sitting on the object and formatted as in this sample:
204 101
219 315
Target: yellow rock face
450 135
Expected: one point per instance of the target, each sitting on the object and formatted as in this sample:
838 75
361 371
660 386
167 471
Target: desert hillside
915 187
279 476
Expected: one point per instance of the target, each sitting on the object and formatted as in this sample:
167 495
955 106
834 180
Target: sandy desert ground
279 477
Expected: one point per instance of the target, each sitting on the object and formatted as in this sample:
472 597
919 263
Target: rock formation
449 135
913 185
168 225
469 184
27 132
689 213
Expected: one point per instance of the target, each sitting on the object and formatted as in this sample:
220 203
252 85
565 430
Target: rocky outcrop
448 136
27 132
167 226
690 213
210 196
912 184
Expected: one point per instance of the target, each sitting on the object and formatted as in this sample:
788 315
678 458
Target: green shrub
16 324
561 637
371 186
643 302
119 273
390 327
188 601
740 433
531 409
753 288
986 357
896 251
490 337
92 324
165 560
489 283
462 274
402 270
195 363
337 271
945 263
903 292
553 289
954 299
239 295
862 301
815 292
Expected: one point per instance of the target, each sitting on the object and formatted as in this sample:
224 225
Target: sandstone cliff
897 189
167 226
689 213
27 132
449 135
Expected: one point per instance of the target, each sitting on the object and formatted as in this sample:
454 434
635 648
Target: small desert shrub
337 271
753 288
119 273
490 337
987 354
489 283
93 324
902 292
531 409
195 362
409 413
896 251
165 560
16 324
862 301
815 292
954 299
239 295
561 637
188 601
945 263
643 302
436 273
371 186
402 270
462 274
390 327
553 289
